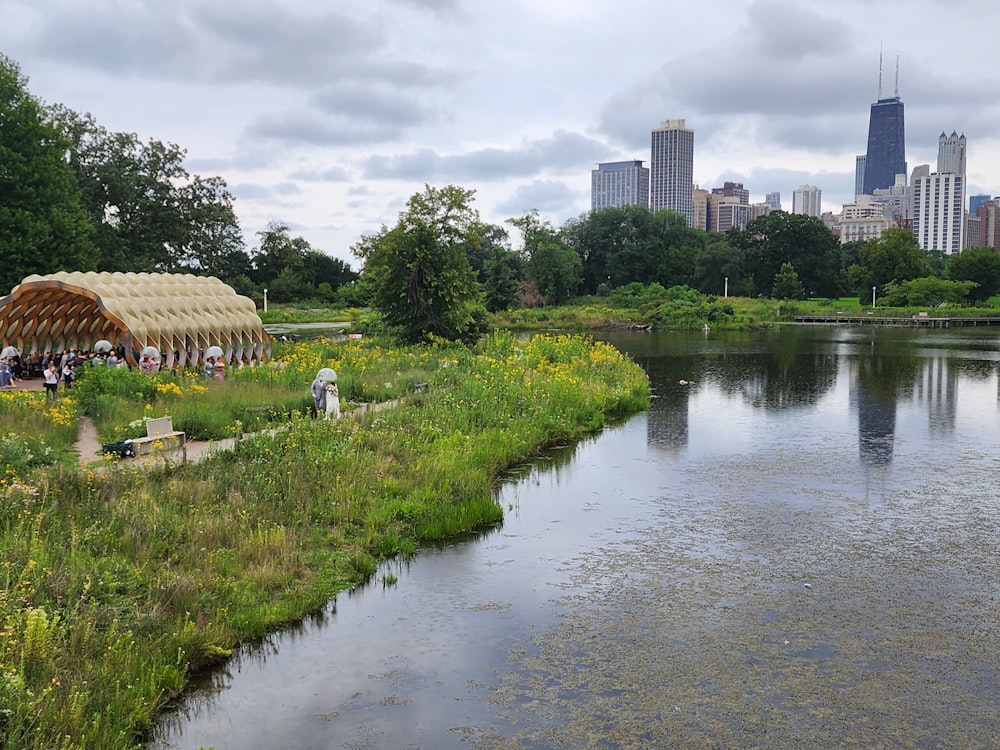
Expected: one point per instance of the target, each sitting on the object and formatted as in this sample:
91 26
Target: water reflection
647 586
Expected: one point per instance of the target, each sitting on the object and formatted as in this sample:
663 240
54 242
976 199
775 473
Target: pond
795 546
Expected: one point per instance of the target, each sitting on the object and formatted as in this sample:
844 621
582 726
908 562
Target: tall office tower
671 168
808 200
773 201
619 183
886 155
951 153
859 175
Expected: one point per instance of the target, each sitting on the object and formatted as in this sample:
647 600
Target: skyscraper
886 156
808 200
773 201
939 199
619 183
671 169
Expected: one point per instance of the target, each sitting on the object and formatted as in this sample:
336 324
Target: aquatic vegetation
117 584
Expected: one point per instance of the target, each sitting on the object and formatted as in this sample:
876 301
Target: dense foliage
43 226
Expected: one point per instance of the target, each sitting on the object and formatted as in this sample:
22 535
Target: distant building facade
975 201
939 221
863 220
615 184
671 169
808 200
728 207
988 234
859 175
938 212
773 201
699 208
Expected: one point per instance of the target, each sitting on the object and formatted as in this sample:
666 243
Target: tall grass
117 584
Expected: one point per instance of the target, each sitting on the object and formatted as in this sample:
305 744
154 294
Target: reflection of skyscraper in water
876 423
937 387
667 420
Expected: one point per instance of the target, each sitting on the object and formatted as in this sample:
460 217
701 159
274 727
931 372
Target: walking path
88 445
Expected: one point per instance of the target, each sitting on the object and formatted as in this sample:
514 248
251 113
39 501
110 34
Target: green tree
980 265
787 284
895 256
718 261
804 241
927 291
279 265
554 266
148 212
418 271
43 227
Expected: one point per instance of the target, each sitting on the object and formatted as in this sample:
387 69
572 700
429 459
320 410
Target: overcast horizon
329 120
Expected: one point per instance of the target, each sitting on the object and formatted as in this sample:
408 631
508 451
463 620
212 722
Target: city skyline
328 118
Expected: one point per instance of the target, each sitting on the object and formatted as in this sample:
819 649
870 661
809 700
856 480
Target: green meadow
120 582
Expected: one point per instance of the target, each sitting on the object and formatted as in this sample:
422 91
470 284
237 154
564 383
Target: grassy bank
118 583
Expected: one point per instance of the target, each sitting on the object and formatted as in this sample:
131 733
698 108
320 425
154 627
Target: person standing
209 368
332 400
220 368
51 380
318 389
68 374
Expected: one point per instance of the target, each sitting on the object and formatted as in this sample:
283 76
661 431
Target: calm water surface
795 547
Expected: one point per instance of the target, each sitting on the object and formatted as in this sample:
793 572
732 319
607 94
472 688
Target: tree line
77 196
439 269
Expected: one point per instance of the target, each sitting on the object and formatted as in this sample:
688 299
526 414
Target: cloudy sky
327 116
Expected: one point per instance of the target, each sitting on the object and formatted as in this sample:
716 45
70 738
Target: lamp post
265 299
873 298
726 294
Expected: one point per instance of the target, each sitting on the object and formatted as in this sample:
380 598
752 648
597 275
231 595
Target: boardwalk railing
912 321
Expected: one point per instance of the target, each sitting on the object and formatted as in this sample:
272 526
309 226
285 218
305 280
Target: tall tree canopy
893 257
43 227
418 271
148 212
553 265
980 265
777 238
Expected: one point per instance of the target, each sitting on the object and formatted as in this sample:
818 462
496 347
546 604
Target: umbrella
214 352
152 352
327 375
102 347
10 351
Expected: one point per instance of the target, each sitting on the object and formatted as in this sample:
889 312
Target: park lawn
118 584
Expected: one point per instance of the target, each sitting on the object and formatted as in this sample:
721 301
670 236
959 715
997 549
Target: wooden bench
160 433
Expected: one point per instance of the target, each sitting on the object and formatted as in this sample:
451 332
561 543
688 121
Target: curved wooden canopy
179 314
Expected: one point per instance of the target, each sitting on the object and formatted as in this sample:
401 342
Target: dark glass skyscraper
886 155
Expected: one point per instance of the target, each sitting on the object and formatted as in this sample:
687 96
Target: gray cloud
330 174
546 196
564 150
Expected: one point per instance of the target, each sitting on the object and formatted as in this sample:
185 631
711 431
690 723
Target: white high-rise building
619 183
939 212
939 199
671 169
808 200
